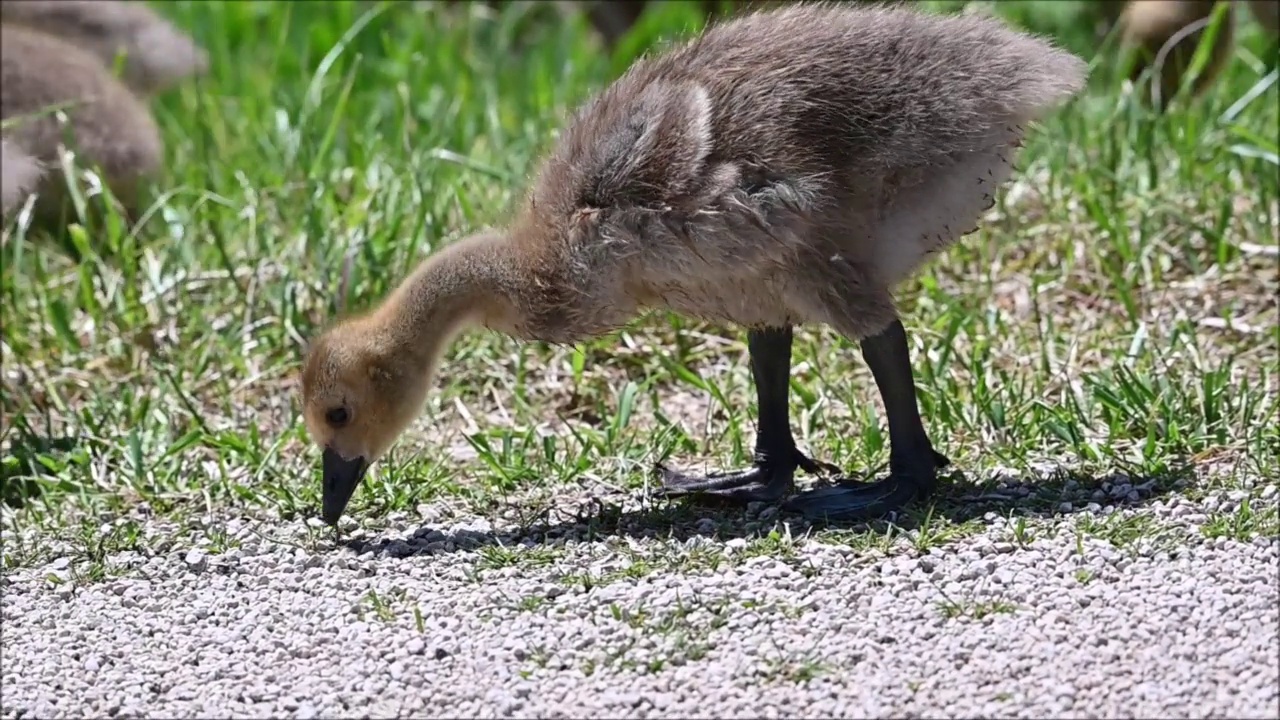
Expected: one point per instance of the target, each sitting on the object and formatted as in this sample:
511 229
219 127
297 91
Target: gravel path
440 621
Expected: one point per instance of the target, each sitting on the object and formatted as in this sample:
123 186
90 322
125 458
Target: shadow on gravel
956 503
31 457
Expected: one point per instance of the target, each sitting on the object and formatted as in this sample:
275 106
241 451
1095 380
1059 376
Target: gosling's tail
1044 74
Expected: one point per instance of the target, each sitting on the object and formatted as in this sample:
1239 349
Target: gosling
1148 28
109 126
785 167
155 54
1166 33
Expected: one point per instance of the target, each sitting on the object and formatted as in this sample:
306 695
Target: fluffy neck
469 283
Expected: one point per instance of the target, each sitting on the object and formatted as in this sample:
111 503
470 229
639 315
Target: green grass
974 610
1113 316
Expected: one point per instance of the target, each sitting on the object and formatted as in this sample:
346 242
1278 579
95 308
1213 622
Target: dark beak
340 480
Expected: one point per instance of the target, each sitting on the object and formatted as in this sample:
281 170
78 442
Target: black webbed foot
911 479
769 480
760 483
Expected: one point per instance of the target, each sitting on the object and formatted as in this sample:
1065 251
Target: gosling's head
359 392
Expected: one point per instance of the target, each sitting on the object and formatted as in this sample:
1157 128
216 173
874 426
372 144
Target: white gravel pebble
442 621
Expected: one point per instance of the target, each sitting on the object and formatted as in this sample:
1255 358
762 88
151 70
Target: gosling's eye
337 417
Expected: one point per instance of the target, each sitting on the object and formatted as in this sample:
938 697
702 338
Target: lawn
1114 323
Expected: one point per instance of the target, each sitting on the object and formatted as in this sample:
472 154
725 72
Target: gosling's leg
913 462
776 456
